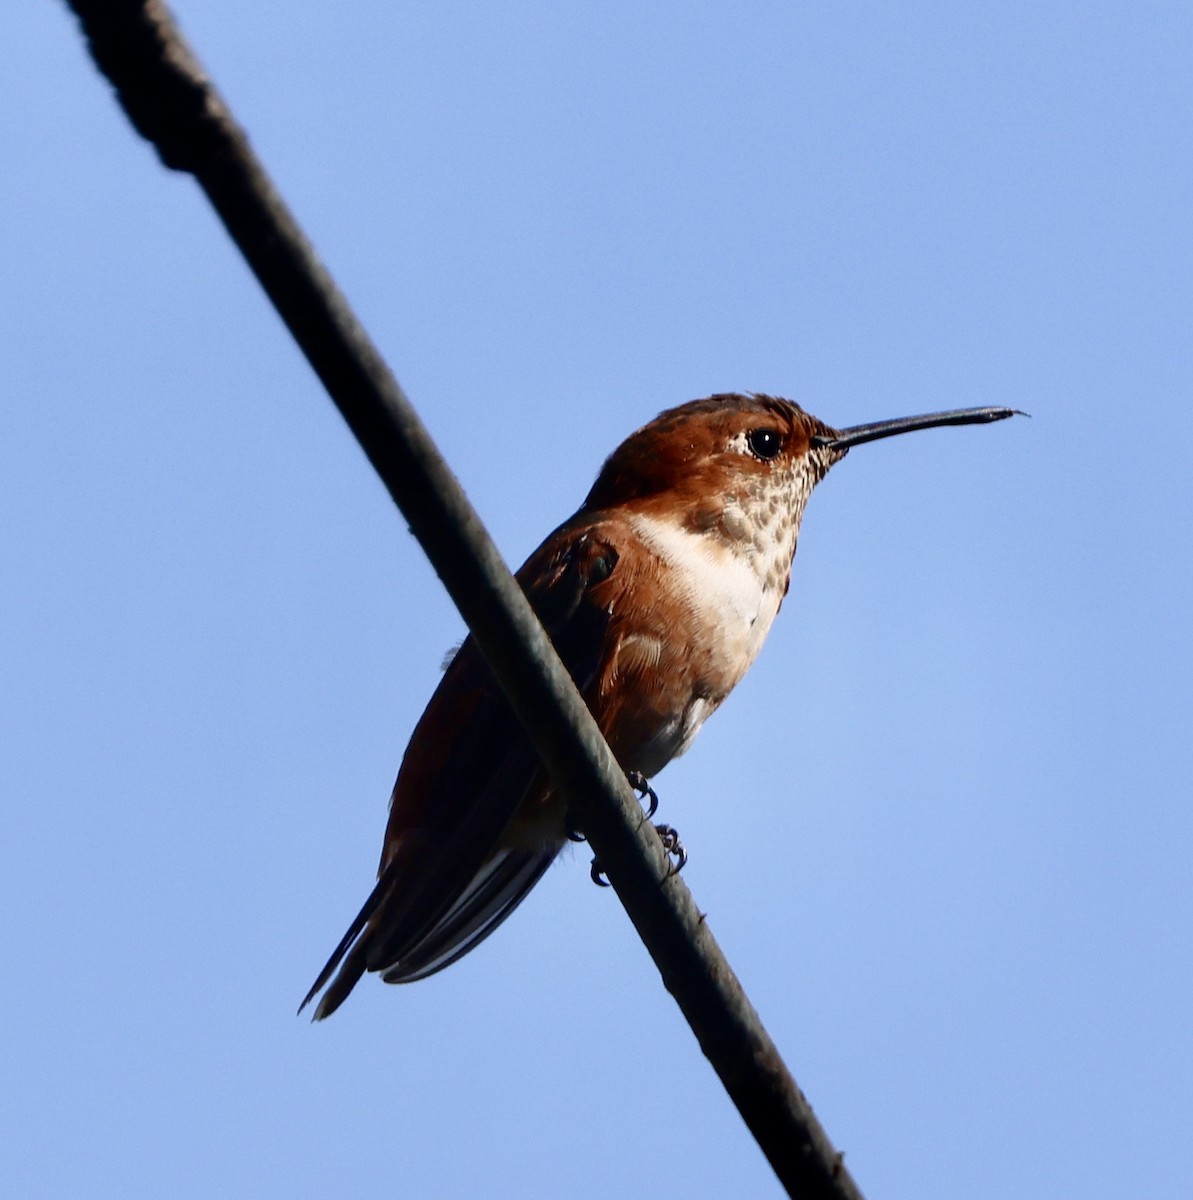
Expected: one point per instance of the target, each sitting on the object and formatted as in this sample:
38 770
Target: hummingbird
657 595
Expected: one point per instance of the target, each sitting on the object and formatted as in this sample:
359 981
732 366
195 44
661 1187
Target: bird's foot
674 847
671 844
641 785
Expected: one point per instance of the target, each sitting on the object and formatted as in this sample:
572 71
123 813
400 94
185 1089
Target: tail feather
342 985
490 898
346 977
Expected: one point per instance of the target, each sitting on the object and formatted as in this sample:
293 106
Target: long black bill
854 436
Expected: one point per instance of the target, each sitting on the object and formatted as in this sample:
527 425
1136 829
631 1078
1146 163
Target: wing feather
446 881
490 898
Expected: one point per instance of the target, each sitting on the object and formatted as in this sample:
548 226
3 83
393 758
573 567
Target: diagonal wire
170 100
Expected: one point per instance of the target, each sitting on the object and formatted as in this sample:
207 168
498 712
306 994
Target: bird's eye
765 443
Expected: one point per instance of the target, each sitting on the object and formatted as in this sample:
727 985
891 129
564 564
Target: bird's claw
641 785
675 849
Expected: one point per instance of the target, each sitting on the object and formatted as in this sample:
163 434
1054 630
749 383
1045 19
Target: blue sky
943 829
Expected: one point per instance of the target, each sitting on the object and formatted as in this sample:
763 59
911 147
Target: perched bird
657 594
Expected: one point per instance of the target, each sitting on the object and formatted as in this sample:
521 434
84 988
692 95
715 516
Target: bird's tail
348 977
352 952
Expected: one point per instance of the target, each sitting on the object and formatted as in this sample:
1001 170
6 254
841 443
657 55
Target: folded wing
450 870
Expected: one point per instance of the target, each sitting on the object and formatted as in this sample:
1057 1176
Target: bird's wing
492 894
446 880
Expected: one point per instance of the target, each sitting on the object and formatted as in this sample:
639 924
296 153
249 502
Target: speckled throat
760 518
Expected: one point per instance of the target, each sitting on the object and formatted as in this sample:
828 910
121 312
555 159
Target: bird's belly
672 738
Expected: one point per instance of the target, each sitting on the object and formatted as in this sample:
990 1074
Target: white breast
721 582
